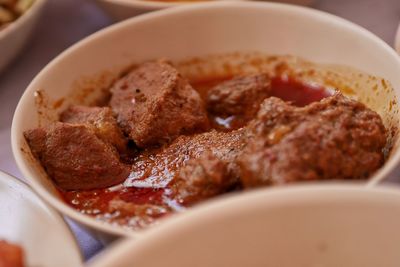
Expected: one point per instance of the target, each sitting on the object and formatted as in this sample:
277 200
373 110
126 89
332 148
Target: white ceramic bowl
190 31
15 36
123 9
39 230
397 40
311 226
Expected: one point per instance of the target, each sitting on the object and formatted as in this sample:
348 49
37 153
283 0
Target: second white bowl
311 226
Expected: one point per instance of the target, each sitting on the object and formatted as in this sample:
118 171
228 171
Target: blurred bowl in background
14 36
123 9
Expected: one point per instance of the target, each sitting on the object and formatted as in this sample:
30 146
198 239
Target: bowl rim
397 40
198 7
158 4
56 216
272 197
19 22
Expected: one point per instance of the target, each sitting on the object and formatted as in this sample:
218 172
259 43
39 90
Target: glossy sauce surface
287 88
299 93
149 198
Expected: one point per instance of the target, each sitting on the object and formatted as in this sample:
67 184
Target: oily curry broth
124 205
293 80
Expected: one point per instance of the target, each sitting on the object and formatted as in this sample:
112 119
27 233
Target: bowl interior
299 226
185 32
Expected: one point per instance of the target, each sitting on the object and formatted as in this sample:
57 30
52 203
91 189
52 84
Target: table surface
67 21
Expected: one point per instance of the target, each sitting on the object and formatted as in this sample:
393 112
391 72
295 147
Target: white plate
300 226
27 221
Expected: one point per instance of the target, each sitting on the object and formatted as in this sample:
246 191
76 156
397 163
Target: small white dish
313 226
39 230
123 9
15 36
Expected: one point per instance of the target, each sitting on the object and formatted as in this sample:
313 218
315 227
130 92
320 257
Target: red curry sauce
118 203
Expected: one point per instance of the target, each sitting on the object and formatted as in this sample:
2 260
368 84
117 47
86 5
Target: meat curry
162 144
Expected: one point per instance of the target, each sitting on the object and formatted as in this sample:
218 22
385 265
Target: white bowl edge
52 213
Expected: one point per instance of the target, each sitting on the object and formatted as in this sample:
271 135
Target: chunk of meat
155 104
155 168
336 138
36 139
75 158
239 96
201 179
105 125
11 255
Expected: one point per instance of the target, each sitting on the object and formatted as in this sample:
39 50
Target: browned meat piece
37 141
155 104
201 179
75 158
336 138
239 96
102 119
11 255
157 167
